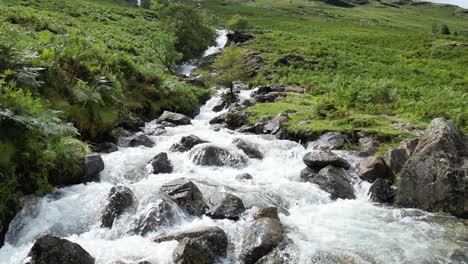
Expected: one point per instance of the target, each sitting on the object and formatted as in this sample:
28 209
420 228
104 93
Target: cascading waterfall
314 224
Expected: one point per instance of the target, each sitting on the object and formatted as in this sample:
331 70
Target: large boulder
395 159
335 181
328 141
307 174
53 250
374 168
105 147
186 195
381 191
250 149
230 207
119 199
187 143
262 237
268 98
199 245
141 140
161 214
234 118
318 159
274 125
161 164
435 177
211 155
175 118
93 166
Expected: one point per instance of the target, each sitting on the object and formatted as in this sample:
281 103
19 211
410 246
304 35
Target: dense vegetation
372 67
71 71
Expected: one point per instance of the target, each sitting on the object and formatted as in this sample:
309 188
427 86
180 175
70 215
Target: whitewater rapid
355 230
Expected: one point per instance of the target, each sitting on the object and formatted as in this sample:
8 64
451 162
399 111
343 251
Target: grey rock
382 192
119 199
307 174
187 143
374 168
318 159
160 215
435 177
106 147
174 118
267 98
211 155
409 145
335 181
368 146
330 140
161 164
93 166
250 149
141 140
395 159
230 207
186 195
244 176
274 125
51 250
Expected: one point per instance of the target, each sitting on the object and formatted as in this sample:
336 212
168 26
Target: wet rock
165 124
280 255
161 164
234 118
368 146
237 86
307 174
247 129
157 216
247 103
244 176
261 238
271 212
119 199
186 195
106 147
460 255
250 149
239 37
92 167
187 143
51 250
199 245
335 181
175 118
435 177
230 207
267 98
117 133
262 90
395 159
219 107
211 155
374 168
274 125
382 192
329 141
141 140
409 146
318 159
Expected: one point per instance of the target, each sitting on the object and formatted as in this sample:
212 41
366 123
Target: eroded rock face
261 238
329 141
435 177
335 181
198 245
186 195
175 118
50 250
318 159
230 207
161 164
374 168
250 149
211 155
187 143
161 214
119 199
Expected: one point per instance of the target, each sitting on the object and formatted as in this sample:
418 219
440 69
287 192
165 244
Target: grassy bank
371 66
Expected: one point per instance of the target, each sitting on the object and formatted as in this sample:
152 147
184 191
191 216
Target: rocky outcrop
175 118
161 214
318 159
141 140
275 125
395 159
329 141
187 143
211 155
334 180
51 250
105 147
262 237
374 168
119 199
234 118
269 97
409 146
201 245
186 195
230 207
238 37
87 171
249 148
435 177
161 164
381 191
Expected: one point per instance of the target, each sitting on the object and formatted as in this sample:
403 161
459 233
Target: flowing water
356 231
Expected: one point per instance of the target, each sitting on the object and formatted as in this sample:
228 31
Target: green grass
372 60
